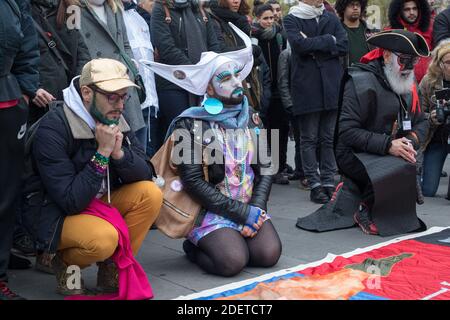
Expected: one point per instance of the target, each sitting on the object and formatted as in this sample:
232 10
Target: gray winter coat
101 41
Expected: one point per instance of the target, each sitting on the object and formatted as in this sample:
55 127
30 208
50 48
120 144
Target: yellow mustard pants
86 239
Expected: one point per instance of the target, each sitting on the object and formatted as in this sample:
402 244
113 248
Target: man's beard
232 100
400 83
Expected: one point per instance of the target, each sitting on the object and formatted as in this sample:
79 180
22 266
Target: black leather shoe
329 191
318 195
18 263
279 178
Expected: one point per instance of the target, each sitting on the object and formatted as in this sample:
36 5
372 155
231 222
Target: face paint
98 115
227 84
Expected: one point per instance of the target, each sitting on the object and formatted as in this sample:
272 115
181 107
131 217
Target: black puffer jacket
19 51
441 27
207 194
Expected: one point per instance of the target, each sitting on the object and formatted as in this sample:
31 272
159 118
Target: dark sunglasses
404 59
113 98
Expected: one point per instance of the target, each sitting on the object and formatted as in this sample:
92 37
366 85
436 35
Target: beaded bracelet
99 163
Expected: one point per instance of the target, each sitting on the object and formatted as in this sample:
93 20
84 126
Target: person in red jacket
414 16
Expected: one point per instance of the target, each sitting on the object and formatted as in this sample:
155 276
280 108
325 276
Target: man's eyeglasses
446 63
113 98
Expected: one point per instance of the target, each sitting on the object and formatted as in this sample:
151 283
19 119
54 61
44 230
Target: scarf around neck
264 34
305 11
235 117
226 15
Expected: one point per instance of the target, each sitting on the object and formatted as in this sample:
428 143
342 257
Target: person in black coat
19 80
61 62
83 151
180 32
272 42
257 86
380 128
378 137
441 27
317 40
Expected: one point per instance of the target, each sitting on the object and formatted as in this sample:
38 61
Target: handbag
179 210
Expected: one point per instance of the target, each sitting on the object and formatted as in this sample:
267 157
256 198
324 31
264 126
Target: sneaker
24 246
289 169
7 294
363 220
294 176
318 195
18 263
279 178
107 277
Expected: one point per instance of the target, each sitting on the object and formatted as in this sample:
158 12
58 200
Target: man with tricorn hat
380 126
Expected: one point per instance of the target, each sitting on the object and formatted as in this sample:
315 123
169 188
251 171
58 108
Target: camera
443 104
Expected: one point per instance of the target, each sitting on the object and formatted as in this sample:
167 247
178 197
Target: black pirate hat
401 41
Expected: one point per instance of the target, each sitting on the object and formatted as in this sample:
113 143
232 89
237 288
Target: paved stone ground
172 275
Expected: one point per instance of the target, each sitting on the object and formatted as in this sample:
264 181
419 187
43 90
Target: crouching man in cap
380 127
89 162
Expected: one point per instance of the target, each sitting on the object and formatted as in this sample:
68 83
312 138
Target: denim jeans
151 144
317 131
433 162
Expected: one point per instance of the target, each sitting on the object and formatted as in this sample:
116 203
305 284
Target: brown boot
107 277
44 262
63 278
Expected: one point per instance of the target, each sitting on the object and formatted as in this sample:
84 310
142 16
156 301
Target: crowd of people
93 91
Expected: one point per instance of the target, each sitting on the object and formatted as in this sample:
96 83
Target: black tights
226 252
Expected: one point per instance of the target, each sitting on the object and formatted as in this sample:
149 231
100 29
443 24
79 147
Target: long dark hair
259 10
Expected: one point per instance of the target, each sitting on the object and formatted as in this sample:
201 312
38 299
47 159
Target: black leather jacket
206 192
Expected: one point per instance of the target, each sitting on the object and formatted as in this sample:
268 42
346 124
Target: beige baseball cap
107 74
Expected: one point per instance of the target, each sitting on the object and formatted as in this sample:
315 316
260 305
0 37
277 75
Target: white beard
401 83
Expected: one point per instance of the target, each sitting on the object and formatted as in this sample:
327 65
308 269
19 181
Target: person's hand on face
403 148
106 137
117 152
